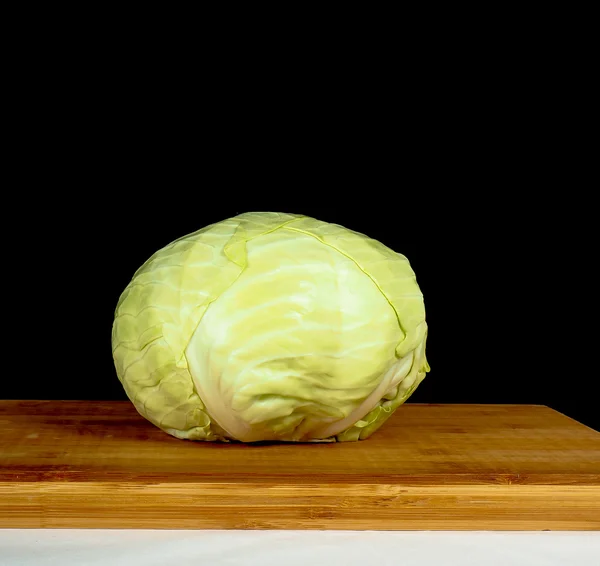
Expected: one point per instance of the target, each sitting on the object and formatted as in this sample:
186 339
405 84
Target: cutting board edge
256 506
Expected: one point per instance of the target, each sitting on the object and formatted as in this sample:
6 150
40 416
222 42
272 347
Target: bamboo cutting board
87 464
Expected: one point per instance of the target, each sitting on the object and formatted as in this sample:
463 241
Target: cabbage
271 326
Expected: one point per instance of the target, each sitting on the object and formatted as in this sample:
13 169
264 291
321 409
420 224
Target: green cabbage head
274 327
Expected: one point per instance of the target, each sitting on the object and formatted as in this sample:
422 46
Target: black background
475 177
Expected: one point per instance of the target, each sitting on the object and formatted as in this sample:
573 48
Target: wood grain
88 464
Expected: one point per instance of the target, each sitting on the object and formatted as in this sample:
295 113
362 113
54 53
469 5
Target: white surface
295 548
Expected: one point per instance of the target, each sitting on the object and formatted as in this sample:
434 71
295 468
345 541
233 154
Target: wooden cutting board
89 464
